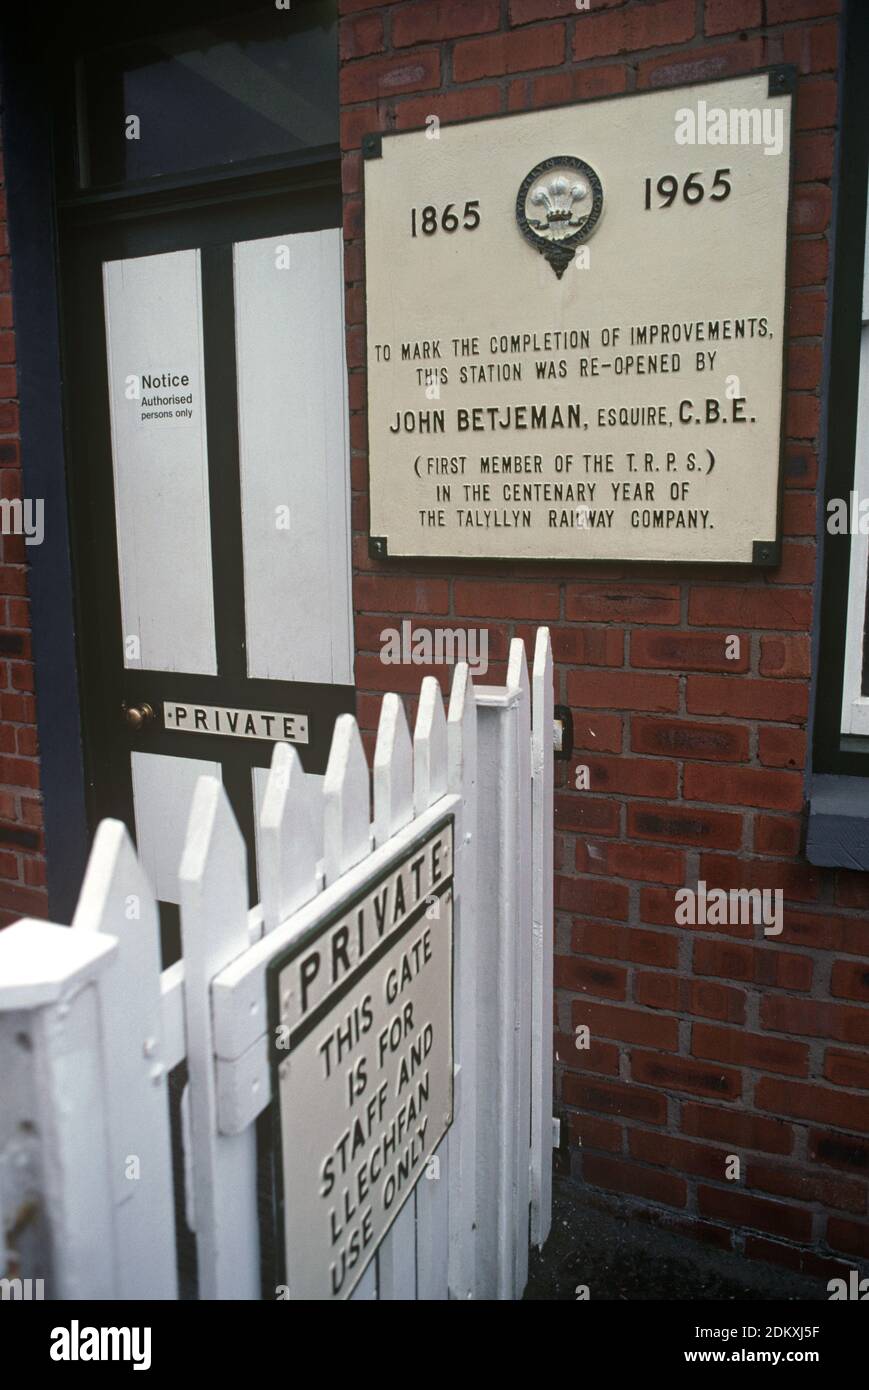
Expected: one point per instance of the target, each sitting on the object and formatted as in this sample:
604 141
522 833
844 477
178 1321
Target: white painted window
855 686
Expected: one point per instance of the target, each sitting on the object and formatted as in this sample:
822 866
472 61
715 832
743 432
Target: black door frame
211 218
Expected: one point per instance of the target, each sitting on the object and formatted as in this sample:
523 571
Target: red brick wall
704 1042
22 863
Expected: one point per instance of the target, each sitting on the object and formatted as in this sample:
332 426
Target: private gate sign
362 1033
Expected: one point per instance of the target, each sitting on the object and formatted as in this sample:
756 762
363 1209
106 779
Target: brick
785 656
787 11
623 603
847 1069
583 646
590 977
683 1074
743 786
383 594
529 11
622 690
849 1152
615 1098
19 772
505 53
706 64
731 960
782 748
852 889
757 1213
680 738
747 699
737 1128
708 999
850 980
616 1175
749 1049
726 16
684 826
802 417
657 991
443 19
685 651
507 600
753 607
813 158
602 1058
804 1102
372 79
594 897
591 1133
850 1236
658 905
632 30
644 862
361 36
812 1018
798 508
811 211
798 881
461 104
600 732
807 265
807 313
624 943
579 84
791 1257
816 102
626 1025
634 776
590 814
777 835
680 1155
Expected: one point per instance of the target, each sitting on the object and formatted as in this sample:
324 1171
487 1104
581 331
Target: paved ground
620 1258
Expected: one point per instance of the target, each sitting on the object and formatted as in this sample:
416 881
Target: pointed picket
393 809
393 771
462 779
288 850
432 1193
429 747
346 823
116 898
214 909
542 869
516 988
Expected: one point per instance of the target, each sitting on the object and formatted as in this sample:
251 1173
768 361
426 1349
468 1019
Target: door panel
153 308
294 456
163 789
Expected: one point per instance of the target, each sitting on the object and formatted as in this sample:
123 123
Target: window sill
838 833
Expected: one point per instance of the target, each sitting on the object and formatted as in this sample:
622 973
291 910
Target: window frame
835 751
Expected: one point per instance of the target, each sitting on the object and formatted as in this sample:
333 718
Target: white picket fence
90 1026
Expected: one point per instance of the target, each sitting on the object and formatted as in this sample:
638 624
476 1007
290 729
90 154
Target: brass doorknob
138 715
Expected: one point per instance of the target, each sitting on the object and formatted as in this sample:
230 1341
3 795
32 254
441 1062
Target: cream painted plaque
575 324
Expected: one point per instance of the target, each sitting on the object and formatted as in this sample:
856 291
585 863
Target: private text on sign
362 1038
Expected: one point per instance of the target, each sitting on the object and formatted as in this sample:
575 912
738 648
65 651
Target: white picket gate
90 1026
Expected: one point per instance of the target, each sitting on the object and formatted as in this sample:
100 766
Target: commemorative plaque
575 329
361 1018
